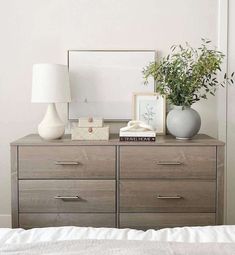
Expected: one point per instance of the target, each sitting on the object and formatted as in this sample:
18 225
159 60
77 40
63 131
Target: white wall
231 119
33 31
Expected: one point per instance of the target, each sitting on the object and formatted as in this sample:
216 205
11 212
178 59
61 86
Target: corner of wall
222 106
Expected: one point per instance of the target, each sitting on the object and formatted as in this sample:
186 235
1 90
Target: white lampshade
50 84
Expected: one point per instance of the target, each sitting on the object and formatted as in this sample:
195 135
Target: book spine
137 135
137 139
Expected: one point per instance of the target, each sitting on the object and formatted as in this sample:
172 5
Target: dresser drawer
146 221
66 196
37 162
168 162
167 196
39 220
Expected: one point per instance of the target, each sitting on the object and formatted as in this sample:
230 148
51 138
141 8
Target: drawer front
39 220
146 221
167 162
66 196
66 162
167 196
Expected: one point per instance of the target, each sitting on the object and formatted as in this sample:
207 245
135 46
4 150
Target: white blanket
115 247
221 234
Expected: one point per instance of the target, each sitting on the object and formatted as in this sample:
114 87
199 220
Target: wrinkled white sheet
117 247
221 234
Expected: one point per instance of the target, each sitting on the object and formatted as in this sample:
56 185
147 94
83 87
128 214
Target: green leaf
188 74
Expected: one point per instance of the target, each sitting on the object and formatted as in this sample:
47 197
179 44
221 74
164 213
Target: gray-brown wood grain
161 220
32 220
66 162
167 196
118 182
168 162
40 196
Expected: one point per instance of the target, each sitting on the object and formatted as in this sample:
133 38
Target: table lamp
50 84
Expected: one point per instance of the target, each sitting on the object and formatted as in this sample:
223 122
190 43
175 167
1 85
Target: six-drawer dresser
138 185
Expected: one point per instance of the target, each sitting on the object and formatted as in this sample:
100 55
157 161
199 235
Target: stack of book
136 136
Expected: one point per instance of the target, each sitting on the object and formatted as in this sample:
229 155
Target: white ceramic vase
183 122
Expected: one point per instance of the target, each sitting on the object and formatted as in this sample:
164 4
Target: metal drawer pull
169 197
67 163
68 198
169 163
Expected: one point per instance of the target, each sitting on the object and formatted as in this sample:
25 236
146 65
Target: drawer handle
74 198
169 197
169 163
64 163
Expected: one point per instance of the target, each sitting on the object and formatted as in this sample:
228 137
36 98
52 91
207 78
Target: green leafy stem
188 74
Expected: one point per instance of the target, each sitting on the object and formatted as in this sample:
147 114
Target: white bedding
117 247
222 234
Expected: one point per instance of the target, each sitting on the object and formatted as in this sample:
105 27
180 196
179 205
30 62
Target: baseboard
5 221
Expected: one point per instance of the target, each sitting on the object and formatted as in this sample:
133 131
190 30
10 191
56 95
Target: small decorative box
90 122
90 133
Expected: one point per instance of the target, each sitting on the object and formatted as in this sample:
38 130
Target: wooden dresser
166 183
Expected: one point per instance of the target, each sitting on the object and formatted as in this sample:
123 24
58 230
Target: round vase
183 122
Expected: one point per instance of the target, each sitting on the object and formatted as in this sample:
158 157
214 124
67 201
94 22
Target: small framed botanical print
151 109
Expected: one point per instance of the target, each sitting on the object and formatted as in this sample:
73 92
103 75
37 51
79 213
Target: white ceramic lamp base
51 126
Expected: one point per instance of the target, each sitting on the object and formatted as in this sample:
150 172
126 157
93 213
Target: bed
81 240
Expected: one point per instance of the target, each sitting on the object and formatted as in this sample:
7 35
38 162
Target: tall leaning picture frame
102 82
151 109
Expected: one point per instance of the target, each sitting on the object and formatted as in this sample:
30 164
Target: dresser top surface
168 140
